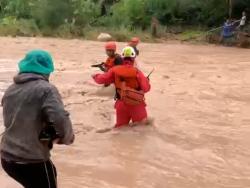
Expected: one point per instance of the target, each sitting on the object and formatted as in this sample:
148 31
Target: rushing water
199 102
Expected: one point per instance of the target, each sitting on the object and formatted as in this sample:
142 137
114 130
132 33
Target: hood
27 77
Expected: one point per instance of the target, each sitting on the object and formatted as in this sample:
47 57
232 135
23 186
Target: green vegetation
121 18
192 35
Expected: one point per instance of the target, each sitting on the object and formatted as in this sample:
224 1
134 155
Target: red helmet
110 46
135 40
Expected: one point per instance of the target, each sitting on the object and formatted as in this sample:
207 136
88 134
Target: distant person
134 43
34 119
228 29
113 57
243 21
131 85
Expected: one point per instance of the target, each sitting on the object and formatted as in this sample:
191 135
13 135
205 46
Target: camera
48 134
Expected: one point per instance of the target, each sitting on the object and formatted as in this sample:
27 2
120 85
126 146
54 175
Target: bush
70 17
52 13
22 27
130 14
69 31
163 10
85 11
17 8
192 35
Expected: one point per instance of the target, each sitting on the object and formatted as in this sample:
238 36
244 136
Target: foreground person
131 85
34 119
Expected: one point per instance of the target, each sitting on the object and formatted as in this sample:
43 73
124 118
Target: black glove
100 66
48 134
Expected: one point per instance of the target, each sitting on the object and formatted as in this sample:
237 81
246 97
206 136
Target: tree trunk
230 8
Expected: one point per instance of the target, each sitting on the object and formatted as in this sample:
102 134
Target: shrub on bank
121 18
10 26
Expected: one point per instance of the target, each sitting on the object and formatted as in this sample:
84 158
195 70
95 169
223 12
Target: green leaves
130 14
85 11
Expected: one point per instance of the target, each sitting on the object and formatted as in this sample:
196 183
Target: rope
217 28
212 30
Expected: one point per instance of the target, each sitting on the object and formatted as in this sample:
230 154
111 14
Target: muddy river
200 103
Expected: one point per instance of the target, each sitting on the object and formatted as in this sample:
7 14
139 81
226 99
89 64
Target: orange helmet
110 46
135 41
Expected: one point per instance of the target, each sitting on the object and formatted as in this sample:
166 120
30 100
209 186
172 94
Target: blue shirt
227 30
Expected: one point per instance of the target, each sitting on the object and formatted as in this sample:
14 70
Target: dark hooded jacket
29 105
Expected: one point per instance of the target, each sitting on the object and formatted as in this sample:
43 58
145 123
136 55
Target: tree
230 8
85 11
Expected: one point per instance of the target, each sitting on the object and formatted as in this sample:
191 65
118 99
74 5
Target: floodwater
200 102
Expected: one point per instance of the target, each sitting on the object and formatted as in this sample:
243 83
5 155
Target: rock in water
104 37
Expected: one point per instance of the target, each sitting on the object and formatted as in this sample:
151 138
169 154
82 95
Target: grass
10 26
191 35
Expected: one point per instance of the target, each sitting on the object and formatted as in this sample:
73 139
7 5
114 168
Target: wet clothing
134 79
228 30
29 105
33 175
112 61
125 113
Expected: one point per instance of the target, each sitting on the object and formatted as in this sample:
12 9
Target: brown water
200 102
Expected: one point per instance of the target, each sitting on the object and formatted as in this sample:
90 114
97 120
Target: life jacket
110 62
127 85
